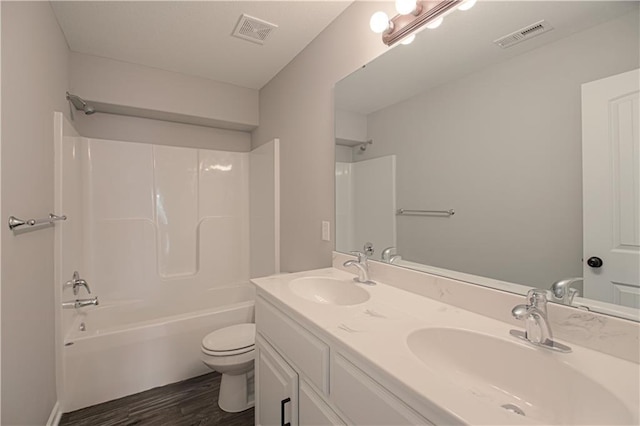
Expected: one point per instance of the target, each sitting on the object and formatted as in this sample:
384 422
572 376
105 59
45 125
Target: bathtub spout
80 303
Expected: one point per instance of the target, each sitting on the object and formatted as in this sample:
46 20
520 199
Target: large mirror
511 167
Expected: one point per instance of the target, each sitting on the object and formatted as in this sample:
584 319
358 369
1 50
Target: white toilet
231 351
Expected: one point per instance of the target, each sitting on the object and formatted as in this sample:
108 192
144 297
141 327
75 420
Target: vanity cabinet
352 390
313 410
306 351
277 386
320 384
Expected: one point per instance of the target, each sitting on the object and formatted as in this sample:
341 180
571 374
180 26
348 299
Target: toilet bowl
231 351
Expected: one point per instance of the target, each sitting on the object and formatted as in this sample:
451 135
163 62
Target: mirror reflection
534 148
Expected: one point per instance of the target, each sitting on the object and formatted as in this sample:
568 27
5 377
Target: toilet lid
231 340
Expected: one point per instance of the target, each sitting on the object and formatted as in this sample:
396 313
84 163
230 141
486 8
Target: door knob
594 262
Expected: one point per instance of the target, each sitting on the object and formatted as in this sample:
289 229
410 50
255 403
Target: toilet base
236 392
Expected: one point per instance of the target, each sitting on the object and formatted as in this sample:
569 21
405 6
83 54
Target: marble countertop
376 332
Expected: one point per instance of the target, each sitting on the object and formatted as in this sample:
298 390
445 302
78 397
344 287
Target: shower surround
161 234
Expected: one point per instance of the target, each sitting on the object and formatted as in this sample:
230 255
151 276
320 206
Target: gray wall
137 86
34 81
296 106
344 154
503 147
121 83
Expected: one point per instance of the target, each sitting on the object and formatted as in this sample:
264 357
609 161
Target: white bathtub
132 346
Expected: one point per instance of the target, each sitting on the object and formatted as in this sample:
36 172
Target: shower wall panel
163 220
175 173
366 204
224 213
344 207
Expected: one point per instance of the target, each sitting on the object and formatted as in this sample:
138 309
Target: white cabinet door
313 410
307 353
611 189
276 388
363 401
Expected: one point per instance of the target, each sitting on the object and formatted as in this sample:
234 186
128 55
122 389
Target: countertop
376 332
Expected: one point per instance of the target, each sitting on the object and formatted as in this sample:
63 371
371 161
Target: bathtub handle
75 283
282 404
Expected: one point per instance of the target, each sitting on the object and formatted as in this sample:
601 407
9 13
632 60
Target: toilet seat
226 361
233 340
228 353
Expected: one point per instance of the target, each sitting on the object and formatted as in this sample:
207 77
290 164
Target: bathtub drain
82 327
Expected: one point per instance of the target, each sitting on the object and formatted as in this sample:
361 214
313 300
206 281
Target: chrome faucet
394 258
385 256
534 315
389 256
75 283
80 303
562 291
363 268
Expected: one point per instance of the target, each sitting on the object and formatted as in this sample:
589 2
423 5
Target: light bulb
408 40
466 5
405 7
435 24
379 22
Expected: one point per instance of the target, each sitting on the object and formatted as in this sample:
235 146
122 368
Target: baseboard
55 416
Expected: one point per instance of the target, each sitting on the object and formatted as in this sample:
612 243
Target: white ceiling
194 37
464 44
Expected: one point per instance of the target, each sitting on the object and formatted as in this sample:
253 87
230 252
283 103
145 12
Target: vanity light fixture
405 7
412 16
435 24
408 40
379 22
466 5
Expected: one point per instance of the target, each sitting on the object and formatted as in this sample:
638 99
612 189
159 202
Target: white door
276 388
611 189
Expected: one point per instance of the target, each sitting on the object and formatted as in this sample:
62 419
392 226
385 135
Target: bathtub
121 348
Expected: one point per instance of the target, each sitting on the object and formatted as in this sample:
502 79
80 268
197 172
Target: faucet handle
83 283
72 281
361 256
386 254
75 282
537 297
366 252
562 291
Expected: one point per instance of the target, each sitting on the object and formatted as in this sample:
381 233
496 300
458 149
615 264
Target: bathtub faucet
75 283
80 303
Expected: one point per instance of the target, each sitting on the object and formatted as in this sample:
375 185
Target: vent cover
253 29
523 34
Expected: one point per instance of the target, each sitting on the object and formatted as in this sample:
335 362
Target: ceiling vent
523 34
253 29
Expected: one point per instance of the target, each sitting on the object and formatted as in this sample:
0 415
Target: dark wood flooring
188 403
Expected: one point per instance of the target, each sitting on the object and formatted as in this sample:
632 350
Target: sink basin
524 380
329 291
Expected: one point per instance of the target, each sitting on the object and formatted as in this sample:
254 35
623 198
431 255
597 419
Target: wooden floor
189 403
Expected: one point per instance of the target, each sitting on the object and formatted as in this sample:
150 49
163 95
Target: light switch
326 231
